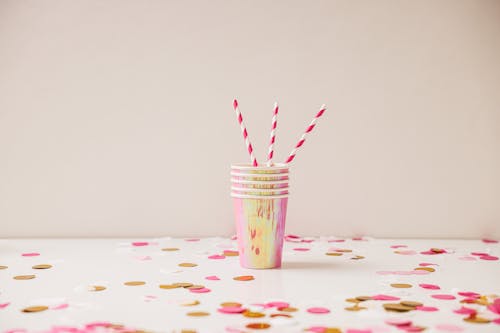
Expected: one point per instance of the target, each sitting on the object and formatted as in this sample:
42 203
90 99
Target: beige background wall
116 119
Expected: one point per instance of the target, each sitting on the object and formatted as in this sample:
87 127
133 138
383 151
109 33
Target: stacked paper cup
260 198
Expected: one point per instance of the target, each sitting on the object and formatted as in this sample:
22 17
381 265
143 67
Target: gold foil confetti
355 308
477 320
187 264
334 254
97 288
195 286
190 303
4 267
42 266
169 286
401 285
244 278
250 314
135 283
230 253
363 298
198 314
183 284
288 309
428 269
35 308
397 307
413 304
258 326
357 257
170 249
230 304
24 277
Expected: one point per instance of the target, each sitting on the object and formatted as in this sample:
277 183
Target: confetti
30 254
134 283
429 286
488 240
97 288
244 278
231 253
230 304
250 314
258 326
187 264
398 307
426 308
170 249
401 285
42 266
24 277
488 257
140 243
198 314
318 310
212 278
35 308
4 267
477 320
231 309
169 286
200 291
190 303
443 296
381 297
216 256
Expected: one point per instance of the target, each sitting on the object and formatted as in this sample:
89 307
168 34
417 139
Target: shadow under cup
260 198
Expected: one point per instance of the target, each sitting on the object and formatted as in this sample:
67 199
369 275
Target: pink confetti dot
59 306
212 278
336 240
467 258
140 243
277 304
317 329
216 256
16 330
443 296
495 307
4 305
355 330
231 309
398 246
381 297
465 311
420 272
30 254
429 286
487 240
192 239
496 321
449 328
488 257
200 290
301 249
318 310
479 253
406 252
426 308
469 294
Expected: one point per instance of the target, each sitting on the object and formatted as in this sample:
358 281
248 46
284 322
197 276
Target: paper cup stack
260 197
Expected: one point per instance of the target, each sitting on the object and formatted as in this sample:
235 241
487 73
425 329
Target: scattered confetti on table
197 285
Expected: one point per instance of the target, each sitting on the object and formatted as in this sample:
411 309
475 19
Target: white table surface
307 279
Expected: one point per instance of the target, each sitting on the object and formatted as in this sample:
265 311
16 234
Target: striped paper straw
303 137
245 133
274 123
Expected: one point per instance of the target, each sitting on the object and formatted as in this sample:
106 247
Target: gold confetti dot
357 258
183 284
428 269
397 307
97 288
334 254
332 330
258 326
198 314
355 308
188 331
195 286
285 315
24 277
411 303
230 304
229 253
4 267
244 278
190 303
250 314
169 286
363 298
401 285
36 308
288 309
170 249
42 266
343 250
187 264
477 320
135 283
352 300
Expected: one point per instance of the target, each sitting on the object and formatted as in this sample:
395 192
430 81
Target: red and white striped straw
245 133
274 123
303 137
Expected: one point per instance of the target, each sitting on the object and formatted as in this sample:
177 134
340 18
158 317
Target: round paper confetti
170 249
426 308
401 285
443 296
200 291
183 284
318 310
36 308
30 254
244 278
24 277
231 309
42 266
169 286
429 286
187 264
231 253
251 314
4 267
198 314
212 278
134 283
288 309
477 320
258 326
97 288
230 304
216 256
190 303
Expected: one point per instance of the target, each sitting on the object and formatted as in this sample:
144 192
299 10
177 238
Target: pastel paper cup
260 218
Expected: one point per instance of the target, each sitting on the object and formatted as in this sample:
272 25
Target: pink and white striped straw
274 123
303 137
245 133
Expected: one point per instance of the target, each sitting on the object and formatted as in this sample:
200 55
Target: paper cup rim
266 197
248 166
251 189
275 175
259 182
